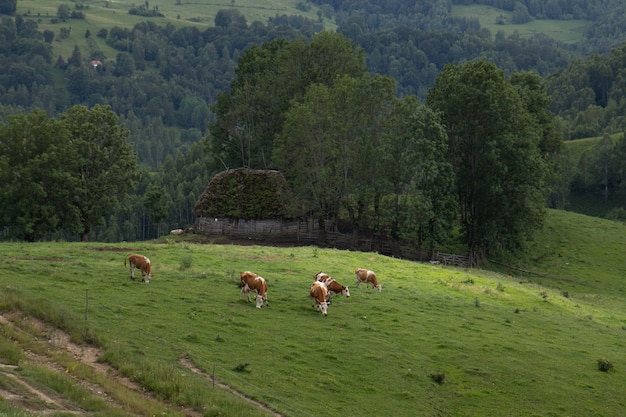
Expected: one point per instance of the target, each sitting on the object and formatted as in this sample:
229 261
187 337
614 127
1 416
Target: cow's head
259 301
147 278
345 292
323 308
379 287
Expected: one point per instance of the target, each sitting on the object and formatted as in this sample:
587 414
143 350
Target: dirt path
25 396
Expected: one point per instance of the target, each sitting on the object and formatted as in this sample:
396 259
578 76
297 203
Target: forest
180 93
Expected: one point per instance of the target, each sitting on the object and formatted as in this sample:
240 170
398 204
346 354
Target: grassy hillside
436 341
568 31
106 14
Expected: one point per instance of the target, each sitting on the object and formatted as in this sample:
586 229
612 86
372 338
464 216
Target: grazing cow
253 282
141 262
334 287
177 232
318 294
368 277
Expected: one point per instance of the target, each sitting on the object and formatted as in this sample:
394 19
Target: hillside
437 340
105 15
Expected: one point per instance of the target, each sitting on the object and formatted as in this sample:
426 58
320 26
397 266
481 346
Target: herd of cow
322 289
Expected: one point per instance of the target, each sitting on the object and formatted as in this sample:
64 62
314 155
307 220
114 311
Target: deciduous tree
268 80
104 163
494 141
36 183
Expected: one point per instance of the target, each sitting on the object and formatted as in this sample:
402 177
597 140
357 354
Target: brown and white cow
318 294
141 262
253 282
368 277
334 287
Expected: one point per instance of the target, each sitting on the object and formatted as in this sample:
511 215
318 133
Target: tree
494 142
362 152
36 193
420 205
268 80
63 12
8 6
158 204
104 163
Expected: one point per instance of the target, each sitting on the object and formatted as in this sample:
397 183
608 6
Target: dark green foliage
605 365
8 6
245 194
242 367
269 80
438 377
500 143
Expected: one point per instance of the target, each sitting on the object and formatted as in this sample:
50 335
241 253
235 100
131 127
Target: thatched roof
245 194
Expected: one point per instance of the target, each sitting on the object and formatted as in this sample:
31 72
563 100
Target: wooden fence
306 232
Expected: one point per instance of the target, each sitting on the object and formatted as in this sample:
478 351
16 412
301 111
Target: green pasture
106 14
436 341
568 31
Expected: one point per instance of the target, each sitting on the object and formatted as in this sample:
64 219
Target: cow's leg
132 271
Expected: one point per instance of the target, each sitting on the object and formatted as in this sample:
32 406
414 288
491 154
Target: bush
438 377
605 365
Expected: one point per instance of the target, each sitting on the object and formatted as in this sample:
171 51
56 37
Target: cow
253 282
141 262
318 295
334 287
368 277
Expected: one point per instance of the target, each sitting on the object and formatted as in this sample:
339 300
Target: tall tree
103 162
269 78
494 142
363 152
420 204
35 182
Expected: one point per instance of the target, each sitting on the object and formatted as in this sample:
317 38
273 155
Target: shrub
242 367
438 377
605 365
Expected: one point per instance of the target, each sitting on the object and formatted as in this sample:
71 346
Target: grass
568 31
106 14
436 341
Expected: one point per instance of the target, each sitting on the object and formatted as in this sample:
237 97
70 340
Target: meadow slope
437 341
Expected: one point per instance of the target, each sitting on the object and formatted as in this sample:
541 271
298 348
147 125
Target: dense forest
164 85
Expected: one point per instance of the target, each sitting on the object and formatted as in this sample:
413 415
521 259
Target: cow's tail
125 259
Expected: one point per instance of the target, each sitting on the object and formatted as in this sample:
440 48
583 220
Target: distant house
95 63
247 203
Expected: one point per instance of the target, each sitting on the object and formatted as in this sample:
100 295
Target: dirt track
24 395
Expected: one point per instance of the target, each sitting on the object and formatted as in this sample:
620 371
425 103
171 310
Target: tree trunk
84 236
321 233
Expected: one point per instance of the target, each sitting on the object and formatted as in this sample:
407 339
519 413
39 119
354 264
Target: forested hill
161 79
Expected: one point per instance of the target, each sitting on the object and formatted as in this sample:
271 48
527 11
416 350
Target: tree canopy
496 132
63 174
